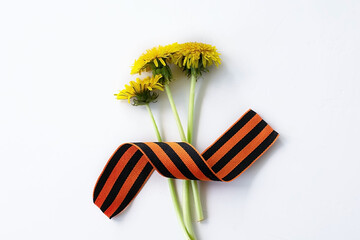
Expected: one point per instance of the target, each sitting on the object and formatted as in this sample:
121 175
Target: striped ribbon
132 163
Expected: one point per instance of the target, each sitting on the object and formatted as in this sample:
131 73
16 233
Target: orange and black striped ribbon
132 163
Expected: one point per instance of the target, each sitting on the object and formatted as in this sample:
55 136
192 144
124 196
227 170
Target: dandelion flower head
142 91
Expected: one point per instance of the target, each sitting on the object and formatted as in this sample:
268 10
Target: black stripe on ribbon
139 182
108 169
252 156
199 161
121 179
231 132
154 159
176 160
239 146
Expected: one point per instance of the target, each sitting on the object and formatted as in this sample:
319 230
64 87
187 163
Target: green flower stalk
186 198
157 61
165 71
171 183
194 59
141 92
163 68
190 130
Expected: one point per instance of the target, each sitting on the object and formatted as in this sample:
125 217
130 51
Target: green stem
171 183
186 197
191 109
187 207
176 115
154 123
178 208
190 130
197 200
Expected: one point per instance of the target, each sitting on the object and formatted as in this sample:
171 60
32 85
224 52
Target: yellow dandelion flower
196 56
158 56
141 90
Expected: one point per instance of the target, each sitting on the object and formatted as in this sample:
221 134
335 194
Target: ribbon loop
132 163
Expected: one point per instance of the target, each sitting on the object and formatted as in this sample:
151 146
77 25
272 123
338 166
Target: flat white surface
294 62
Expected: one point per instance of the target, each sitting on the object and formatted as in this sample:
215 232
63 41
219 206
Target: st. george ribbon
132 163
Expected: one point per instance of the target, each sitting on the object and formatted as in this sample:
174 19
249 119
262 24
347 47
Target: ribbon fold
229 156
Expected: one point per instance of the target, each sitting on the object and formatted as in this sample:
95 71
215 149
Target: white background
294 62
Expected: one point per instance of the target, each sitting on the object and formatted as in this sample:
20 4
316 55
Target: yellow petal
158 88
156 62
135 86
162 61
204 61
184 63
